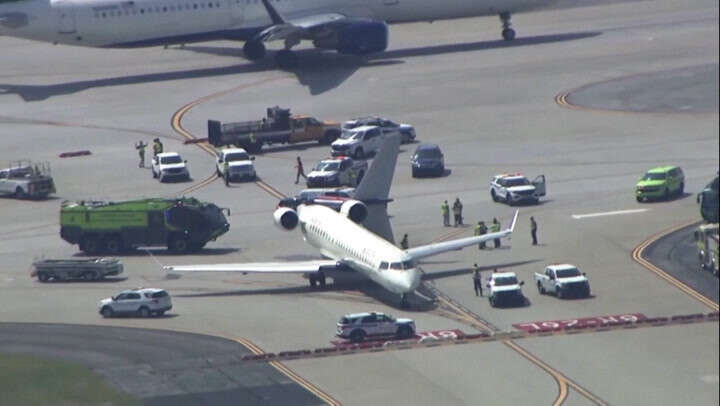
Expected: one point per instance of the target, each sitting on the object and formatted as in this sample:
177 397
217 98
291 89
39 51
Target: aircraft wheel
508 34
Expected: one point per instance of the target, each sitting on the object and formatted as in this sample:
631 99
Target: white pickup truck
239 164
505 289
336 172
563 280
24 179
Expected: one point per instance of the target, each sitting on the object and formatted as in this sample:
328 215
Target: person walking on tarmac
300 171
226 173
404 244
480 229
533 230
457 211
494 228
477 280
157 147
445 209
140 147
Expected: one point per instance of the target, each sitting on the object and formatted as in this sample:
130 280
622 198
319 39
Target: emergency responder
300 171
457 211
533 230
494 228
477 280
157 147
226 173
480 229
352 174
140 147
404 243
252 138
445 209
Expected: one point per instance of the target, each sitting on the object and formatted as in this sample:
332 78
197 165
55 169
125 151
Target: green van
661 182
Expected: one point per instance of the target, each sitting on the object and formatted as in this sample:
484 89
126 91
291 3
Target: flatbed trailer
89 269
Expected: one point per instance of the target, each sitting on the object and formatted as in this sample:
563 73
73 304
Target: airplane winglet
274 15
514 221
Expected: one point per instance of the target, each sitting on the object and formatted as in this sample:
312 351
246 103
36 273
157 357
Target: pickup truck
563 280
239 164
505 289
337 171
278 127
23 179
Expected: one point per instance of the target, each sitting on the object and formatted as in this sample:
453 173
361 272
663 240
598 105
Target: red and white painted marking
422 336
585 322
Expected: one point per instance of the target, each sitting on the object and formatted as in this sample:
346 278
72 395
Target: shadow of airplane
421 301
319 71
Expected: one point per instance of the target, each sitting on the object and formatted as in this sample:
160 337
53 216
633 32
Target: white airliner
349 246
355 27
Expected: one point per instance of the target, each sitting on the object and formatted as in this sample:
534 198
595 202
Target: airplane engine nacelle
361 37
355 210
286 218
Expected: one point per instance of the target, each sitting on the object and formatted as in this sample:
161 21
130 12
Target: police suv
515 188
336 172
358 326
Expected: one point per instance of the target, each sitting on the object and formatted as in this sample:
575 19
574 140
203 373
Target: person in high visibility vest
140 147
404 244
445 209
157 147
494 228
481 229
477 280
457 211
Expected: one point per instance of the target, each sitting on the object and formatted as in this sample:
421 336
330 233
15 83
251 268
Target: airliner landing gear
404 301
254 50
508 33
318 277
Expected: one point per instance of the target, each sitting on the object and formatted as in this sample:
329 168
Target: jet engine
360 37
286 218
355 210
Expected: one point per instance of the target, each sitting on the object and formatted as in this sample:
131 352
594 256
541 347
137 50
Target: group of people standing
457 209
140 147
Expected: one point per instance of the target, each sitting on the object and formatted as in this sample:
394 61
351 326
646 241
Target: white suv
358 142
142 302
515 188
357 326
169 165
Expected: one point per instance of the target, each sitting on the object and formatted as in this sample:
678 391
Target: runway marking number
597 321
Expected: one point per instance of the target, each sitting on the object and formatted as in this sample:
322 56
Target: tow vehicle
563 280
278 127
89 269
359 142
706 238
239 163
169 165
358 326
336 172
182 225
515 188
23 179
505 289
406 131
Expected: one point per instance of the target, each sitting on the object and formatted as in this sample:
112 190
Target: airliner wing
257 267
438 248
300 27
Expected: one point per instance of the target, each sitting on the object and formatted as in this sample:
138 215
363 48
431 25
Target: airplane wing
453 245
304 27
257 267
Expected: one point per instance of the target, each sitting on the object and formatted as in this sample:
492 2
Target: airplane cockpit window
383 265
409 264
396 266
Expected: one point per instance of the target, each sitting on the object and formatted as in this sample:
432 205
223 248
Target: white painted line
607 213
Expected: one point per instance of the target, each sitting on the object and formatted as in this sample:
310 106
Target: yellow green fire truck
182 225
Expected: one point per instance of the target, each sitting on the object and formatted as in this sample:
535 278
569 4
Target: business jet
356 27
357 238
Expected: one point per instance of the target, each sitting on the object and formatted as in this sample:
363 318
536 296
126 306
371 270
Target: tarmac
492 106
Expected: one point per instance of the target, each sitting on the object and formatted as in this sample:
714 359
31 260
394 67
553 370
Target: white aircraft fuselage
137 23
339 238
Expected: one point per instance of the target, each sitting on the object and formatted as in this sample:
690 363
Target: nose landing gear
317 277
508 33
404 301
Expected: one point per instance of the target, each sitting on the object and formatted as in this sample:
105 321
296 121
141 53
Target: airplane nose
413 279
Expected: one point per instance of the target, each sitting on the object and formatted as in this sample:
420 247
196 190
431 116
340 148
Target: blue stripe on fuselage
239 34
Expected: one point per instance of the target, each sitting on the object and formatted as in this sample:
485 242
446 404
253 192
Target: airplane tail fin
374 188
375 185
